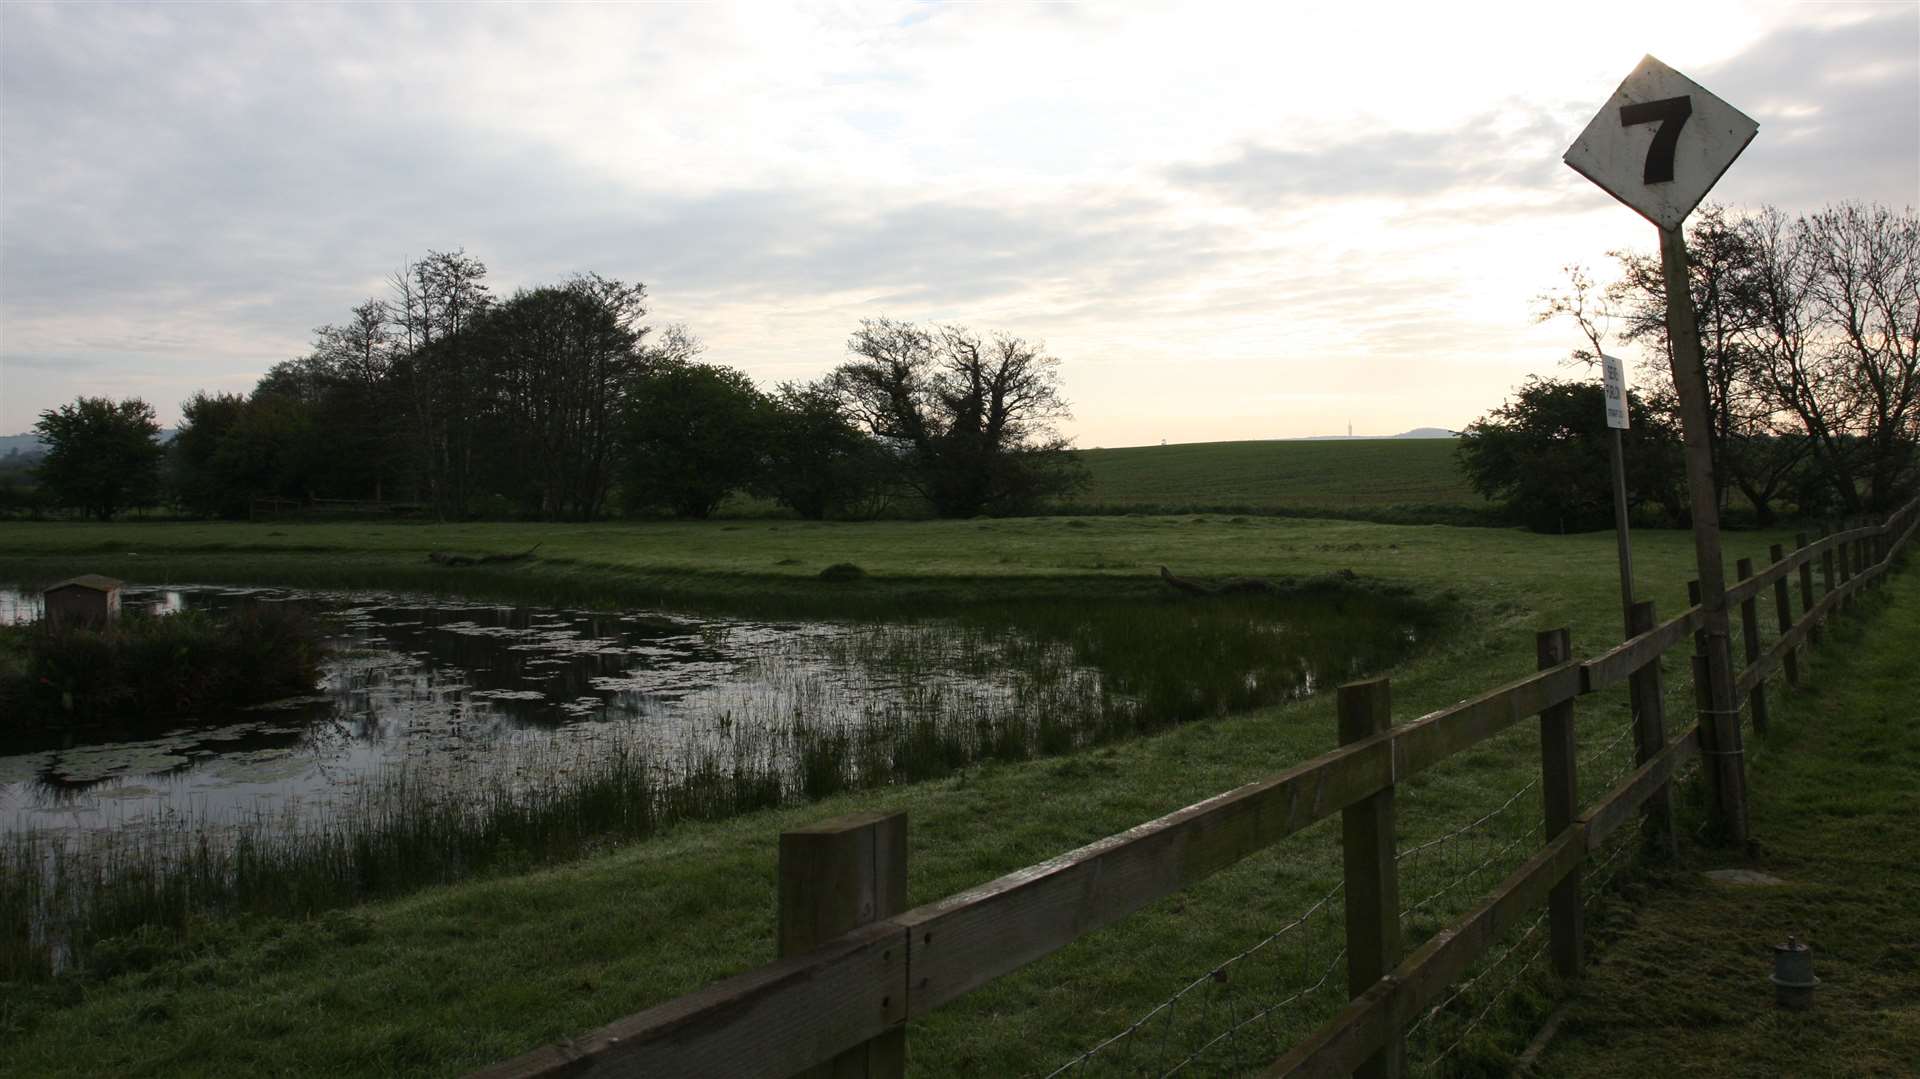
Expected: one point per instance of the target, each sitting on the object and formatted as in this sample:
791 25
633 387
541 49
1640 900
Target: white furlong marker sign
1614 380
1660 143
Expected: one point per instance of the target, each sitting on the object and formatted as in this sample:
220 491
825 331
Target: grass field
454 977
1681 988
1404 479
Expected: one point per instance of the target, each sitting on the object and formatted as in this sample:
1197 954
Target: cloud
1494 151
1189 210
1839 110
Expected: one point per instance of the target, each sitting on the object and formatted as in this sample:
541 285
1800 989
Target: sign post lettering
1659 145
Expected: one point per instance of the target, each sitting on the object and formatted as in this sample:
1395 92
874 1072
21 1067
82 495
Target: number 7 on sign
1671 114
1660 142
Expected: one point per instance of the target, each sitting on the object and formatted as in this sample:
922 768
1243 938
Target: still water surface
460 696
437 684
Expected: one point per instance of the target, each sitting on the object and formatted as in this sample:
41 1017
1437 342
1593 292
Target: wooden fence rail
853 971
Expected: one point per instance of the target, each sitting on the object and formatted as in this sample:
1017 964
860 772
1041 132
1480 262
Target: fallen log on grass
1229 587
447 558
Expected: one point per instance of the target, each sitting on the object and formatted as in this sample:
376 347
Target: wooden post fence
1647 691
1750 636
1814 632
835 877
855 967
1844 550
1372 871
1783 614
1560 788
1826 563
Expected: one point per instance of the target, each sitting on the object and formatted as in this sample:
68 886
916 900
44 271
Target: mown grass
1681 986
1406 480
458 976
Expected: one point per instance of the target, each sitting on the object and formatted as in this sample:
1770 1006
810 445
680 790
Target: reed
145 671
1006 683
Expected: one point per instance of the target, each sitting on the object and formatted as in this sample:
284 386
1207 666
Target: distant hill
27 443
1411 478
1418 432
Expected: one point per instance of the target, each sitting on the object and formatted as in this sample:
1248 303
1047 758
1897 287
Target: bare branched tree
974 417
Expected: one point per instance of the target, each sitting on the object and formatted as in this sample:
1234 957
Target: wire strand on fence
1432 1063
1441 843
1608 750
1221 973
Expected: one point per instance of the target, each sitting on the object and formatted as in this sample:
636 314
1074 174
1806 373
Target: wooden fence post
1783 614
1646 690
835 877
1560 788
1720 741
1826 565
1856 557
1814 633
1750 633
1846 553
1372 872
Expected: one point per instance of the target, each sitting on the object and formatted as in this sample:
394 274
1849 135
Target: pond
447 735
447 687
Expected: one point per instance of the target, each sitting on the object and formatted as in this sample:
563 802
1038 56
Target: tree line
561 403
1809 333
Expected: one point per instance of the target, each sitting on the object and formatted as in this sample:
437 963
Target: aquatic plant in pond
746 716
144 670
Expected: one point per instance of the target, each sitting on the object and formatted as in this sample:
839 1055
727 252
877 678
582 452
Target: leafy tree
819 464
102 457
558 363
971 419
695 433
1544 454
438 375
200 486
275 447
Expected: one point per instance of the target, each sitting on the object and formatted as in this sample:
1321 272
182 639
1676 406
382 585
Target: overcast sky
1228 221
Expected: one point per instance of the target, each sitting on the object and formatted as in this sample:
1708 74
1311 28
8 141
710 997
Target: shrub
153 670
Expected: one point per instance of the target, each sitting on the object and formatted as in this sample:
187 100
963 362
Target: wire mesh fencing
1238 1013
1441 876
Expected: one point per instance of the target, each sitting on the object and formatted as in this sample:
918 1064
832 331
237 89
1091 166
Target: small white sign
1660 143
1614 379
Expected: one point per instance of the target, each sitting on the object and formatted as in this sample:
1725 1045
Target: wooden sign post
1659 145
1614 380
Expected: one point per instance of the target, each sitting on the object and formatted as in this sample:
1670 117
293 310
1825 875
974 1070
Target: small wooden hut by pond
88 599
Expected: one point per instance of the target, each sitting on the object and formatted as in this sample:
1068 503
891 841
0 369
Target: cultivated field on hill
1394 479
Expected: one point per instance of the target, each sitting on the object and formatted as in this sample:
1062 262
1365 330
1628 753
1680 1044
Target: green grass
1406 480
773 567
457 976
1681 985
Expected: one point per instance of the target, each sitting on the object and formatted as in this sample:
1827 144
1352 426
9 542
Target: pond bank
460 976
456 738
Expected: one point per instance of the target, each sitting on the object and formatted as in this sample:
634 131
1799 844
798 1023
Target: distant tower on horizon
1349 428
